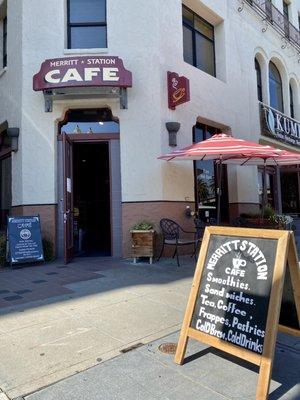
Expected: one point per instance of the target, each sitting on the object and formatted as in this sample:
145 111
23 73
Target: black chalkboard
24 240
233 297
236 295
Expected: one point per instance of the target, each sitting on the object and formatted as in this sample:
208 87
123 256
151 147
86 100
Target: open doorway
91 199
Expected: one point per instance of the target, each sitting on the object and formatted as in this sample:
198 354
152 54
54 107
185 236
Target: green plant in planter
269 213
279 220
143 226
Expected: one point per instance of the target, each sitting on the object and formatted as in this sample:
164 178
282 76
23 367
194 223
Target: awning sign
82 72
178 90
279 126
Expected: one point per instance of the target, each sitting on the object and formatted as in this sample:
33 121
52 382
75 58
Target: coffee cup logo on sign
238 262
25 234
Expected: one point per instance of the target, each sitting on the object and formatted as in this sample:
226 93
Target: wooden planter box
142 244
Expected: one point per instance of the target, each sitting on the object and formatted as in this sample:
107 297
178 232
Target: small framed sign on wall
236 295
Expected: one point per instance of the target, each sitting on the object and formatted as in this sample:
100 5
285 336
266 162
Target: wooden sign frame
286 254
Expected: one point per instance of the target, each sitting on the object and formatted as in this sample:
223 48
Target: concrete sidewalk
207 374
56 320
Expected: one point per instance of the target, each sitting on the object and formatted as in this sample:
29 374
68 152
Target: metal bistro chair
171 237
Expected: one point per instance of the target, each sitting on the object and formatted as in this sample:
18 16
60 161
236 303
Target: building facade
81 149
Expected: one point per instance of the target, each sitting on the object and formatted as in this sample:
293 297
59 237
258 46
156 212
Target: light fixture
173 128
13 134
101 123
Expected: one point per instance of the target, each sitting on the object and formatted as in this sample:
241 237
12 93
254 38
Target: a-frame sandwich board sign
235 299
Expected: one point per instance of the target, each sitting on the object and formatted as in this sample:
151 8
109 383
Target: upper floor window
198 41
292 110
275 88
258 80
4 46
87 24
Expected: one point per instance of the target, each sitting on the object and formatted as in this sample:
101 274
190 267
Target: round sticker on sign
25 234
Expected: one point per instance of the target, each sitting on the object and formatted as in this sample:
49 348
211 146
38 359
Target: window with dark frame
275 88
258 80
87 26
198 42
4 51
205 177
292 110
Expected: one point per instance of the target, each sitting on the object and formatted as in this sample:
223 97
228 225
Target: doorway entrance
91 199
89 184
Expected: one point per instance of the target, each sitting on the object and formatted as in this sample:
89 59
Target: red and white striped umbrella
223 147
279 158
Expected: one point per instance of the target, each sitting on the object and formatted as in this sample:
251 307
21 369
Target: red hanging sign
178 90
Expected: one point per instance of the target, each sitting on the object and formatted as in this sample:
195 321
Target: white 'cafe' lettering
108 75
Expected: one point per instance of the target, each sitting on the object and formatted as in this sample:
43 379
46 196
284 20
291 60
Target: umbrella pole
219 178
264 183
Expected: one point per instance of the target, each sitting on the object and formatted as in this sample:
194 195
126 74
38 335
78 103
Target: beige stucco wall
149 40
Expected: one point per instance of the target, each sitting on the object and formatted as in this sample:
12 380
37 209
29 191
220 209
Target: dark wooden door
68 198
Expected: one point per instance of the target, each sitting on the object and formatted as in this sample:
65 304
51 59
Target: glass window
292 111
188 52
87 24
205 180
203 27
87 37
87 11
258 80
90 121
290 192
198 42
204 171
187 16
4 61
275 88
205 55
269 187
